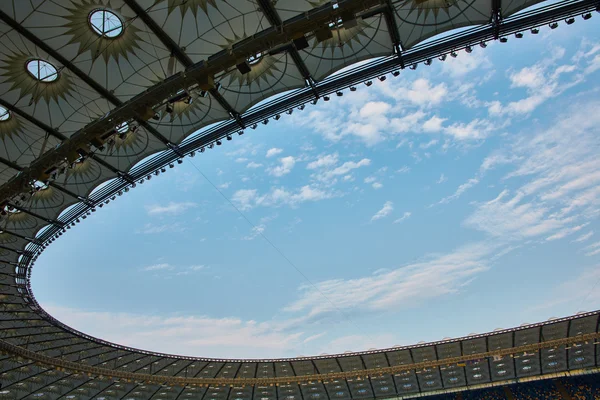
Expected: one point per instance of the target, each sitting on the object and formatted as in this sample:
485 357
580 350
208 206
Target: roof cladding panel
205 27
268 76
125 65
418 20
368 39
188 116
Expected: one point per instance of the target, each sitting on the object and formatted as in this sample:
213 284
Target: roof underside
177 59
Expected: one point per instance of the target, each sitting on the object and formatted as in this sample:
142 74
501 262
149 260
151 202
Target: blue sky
457 198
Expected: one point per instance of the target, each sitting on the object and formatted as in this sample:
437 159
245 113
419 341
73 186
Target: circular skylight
255 58
106 23
42 70
4 114
123 128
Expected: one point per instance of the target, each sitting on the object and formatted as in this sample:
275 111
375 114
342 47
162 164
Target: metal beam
272 15
178 53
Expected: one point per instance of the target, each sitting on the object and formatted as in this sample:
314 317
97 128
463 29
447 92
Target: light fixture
171 165
503 40
443 57
519 35
277 117
535 31
202 149
254 126
188 100
169 108
240 133
163 170
210 146
569 21
156 117
266 121
382 78
180 161
228 137
553 25
453 54
396 73
290 111
301 107
428 61
219 143
326 98
413 66
353 88
483 45
586 16
339 93
192 154
469 49
368 83
314 102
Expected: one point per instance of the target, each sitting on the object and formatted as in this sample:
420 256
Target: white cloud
377 185
459 191
246 199
195 335
513 218
566 232
172 208
196 267
224 185
403 218
324 161
374 108
474 130
442 179
423 93
433 124
273 152
286 164
150 229
429 144
593 249
403 170
158 267
460 66
407 286
257 230
584 237
386 210
370 179
253 165
349 166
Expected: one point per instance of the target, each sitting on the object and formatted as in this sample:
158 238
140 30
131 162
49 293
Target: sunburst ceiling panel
187 117
49 202
125 152
126 59
21 142
269 76
64 103
84 176
205 27
418 20
368 39
22 224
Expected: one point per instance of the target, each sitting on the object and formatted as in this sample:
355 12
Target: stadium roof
90 89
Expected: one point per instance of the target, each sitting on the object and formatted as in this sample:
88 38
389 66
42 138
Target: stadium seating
586 387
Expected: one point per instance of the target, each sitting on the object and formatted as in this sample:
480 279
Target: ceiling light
240 133
339 94
570 21
428 61
326 98
169 108
277 117
396 73
519 35
382 78
586 16
503 40
483 45
442 57
469 49
180 161
353 88
553 25
368 83
228 137
219 143
535 31
414 66
453 54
